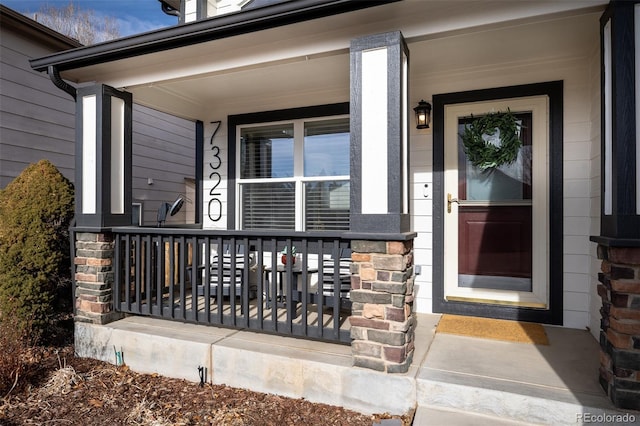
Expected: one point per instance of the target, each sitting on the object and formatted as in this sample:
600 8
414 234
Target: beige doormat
487 328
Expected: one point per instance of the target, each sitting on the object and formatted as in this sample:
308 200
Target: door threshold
536 305
494 282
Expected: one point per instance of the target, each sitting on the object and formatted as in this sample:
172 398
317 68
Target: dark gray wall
36 119
164 151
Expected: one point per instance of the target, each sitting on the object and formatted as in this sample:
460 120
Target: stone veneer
94 278
620 324
382 322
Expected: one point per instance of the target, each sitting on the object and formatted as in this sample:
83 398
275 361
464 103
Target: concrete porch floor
453 379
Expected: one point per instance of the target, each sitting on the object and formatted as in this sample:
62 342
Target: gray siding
164 151
37 122
36 119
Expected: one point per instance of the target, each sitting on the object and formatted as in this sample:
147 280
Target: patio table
281 290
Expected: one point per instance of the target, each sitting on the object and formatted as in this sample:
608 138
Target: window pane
268 205
327 205
266 152
326 148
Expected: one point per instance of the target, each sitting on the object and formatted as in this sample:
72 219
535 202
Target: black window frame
233 121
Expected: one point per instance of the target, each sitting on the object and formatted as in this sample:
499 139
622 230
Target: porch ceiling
306 57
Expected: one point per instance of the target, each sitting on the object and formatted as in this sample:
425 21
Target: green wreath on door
485 155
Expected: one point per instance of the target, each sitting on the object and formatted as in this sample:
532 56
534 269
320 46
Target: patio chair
235 276
329 277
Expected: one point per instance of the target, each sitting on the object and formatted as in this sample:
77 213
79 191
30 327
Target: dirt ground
58 388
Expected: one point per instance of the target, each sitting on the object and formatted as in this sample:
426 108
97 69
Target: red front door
494 219
495 216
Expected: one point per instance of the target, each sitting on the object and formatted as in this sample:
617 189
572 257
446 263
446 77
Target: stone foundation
382 321
620 325
94 278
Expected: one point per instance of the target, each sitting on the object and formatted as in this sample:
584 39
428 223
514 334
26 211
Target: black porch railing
237 279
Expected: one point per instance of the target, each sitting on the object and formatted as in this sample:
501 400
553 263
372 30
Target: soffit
415 18
442 36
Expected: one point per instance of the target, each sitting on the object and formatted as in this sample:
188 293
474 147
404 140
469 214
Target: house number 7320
214 208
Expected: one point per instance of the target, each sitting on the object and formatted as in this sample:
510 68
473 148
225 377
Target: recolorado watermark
605 418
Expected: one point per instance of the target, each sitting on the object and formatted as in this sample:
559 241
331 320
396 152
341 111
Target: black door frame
554 313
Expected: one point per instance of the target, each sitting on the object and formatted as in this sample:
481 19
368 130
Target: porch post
619 239
103 157
103 185
382 321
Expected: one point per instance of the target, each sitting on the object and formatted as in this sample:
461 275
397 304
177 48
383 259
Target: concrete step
555 384
511 402
432 416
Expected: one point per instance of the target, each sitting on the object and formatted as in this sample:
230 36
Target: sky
133 16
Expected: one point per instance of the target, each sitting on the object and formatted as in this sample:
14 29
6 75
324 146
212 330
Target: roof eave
201 31
9 18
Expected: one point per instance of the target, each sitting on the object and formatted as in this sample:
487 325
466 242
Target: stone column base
382 322
94 278
620 325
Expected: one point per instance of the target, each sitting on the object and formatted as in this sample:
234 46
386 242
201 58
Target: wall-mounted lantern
169 209
423 115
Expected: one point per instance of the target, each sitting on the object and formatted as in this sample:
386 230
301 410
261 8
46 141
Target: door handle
449 201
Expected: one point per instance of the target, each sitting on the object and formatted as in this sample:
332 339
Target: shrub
35 213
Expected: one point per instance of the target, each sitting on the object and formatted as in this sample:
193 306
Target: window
294 175
136 214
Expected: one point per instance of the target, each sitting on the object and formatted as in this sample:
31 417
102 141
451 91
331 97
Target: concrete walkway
454 380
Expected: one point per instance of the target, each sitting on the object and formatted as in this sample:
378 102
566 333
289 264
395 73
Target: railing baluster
320 288
164 305
304 291
159 256
138 268
246 284
206 284
182 265
273 285
172 281
147 272
219 279
192 246
127 275
260 283
337 289
232 279
117 273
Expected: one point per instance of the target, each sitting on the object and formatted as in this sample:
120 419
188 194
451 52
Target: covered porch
323 62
